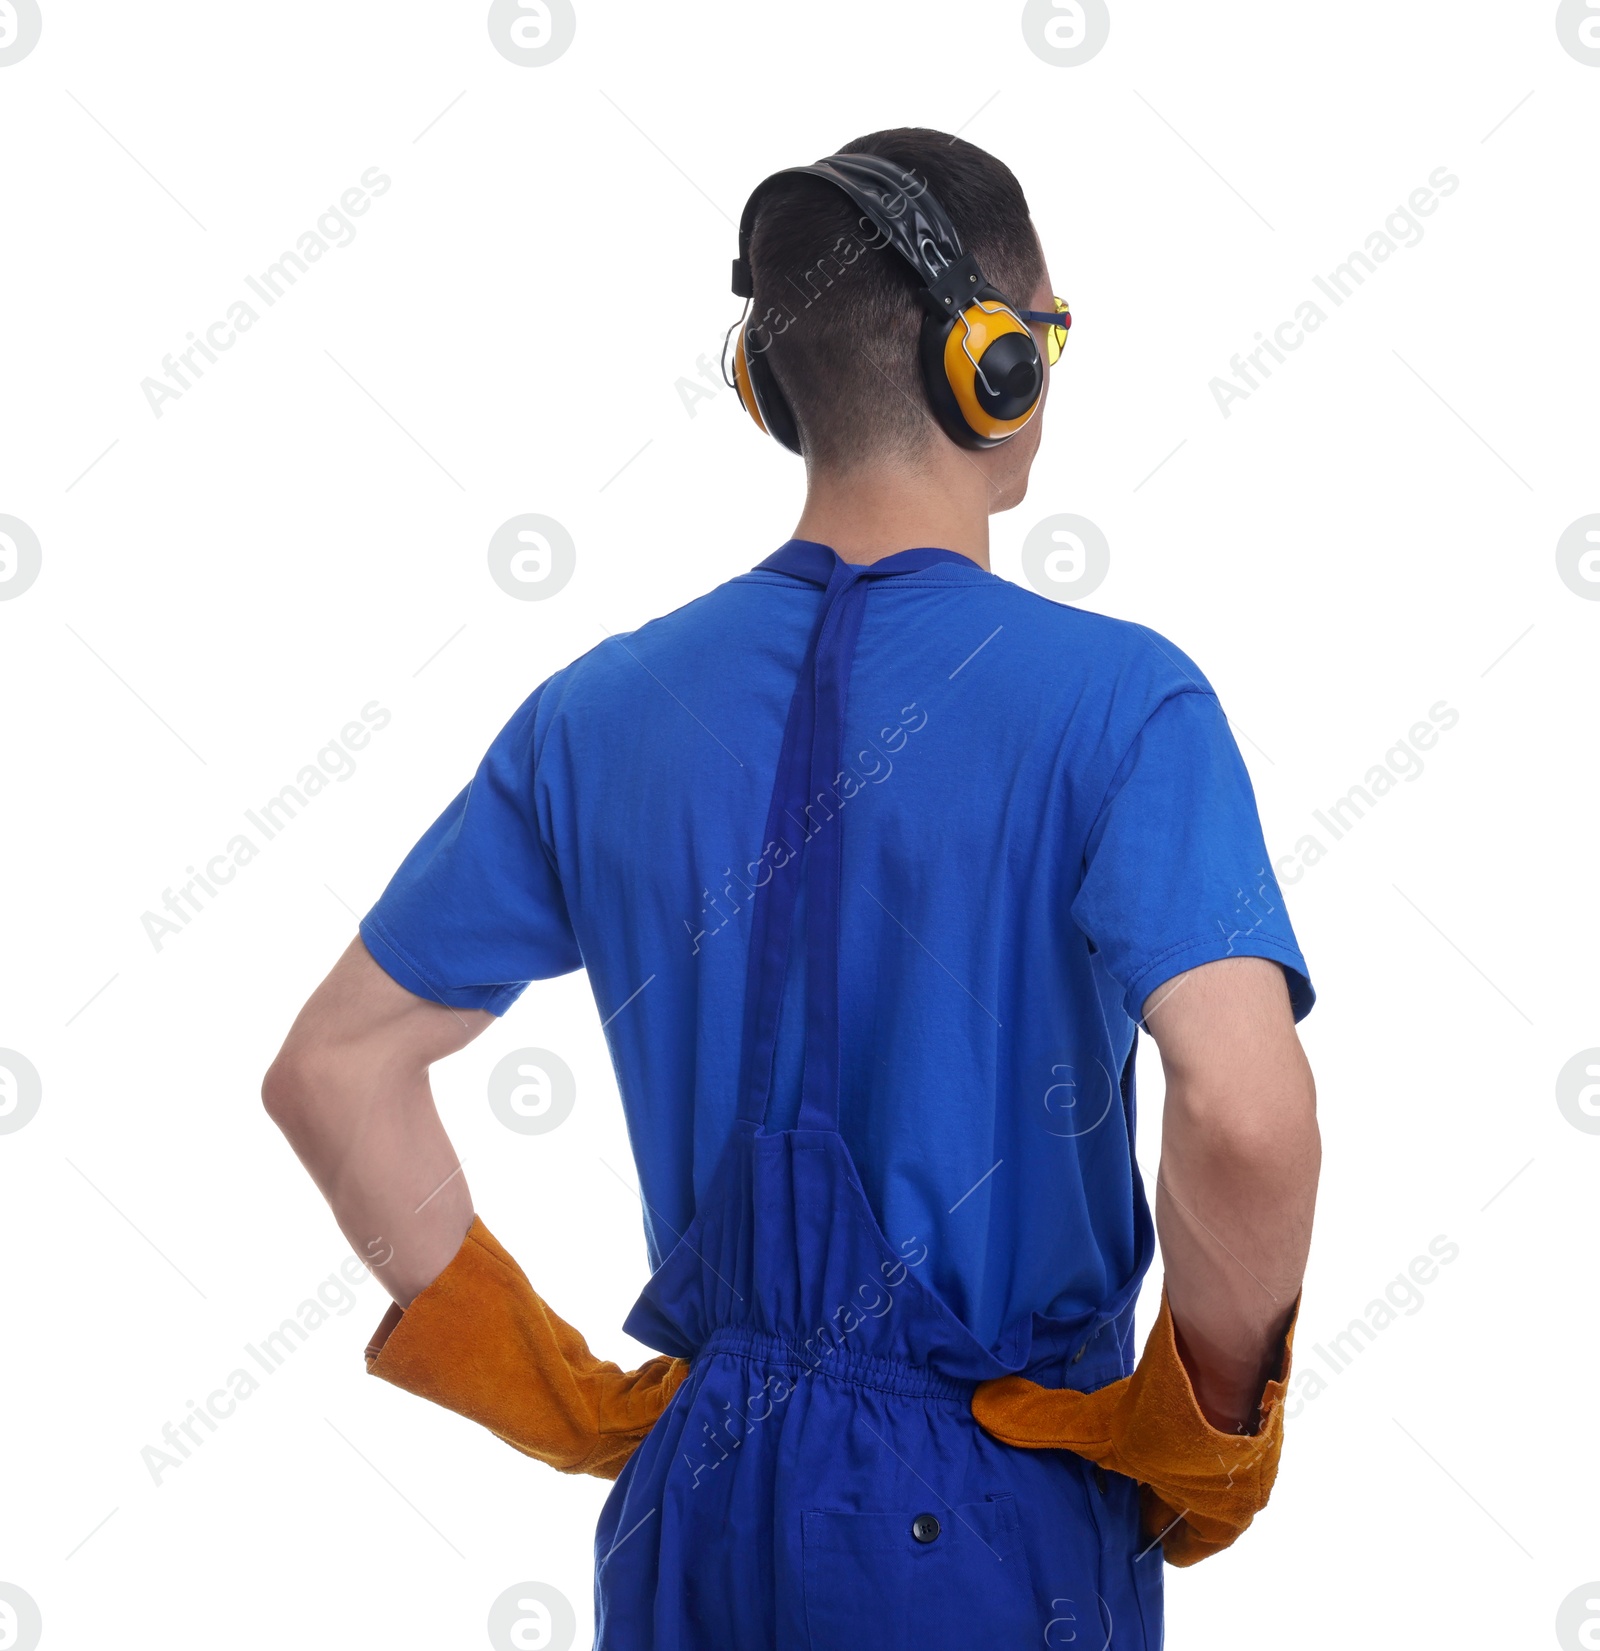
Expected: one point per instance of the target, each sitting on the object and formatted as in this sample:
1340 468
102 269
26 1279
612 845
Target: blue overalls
818 1481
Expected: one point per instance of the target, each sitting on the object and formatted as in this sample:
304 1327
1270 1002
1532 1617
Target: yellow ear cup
741 384
974 330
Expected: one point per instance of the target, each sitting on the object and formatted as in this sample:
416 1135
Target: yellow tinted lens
1056 337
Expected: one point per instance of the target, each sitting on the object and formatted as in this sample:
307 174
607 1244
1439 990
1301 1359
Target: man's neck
868 514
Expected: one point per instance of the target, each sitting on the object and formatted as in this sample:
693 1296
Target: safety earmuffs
980 365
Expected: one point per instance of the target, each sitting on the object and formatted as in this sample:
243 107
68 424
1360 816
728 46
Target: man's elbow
1250 1122
289 1089
280 1092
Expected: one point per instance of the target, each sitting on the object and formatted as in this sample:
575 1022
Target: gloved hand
481 1342
1201 1487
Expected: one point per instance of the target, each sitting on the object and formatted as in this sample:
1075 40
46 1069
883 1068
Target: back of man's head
845 318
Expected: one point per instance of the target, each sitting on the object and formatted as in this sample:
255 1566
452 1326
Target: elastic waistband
843 1364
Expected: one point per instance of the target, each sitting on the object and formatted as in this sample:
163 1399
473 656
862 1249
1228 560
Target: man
876 863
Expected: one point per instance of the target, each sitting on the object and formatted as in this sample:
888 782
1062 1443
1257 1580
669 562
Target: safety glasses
1058 321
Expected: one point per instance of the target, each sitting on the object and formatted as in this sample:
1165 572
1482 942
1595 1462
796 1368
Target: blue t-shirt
1045 818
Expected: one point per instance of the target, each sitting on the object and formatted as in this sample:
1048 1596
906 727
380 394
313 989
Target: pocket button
925 1528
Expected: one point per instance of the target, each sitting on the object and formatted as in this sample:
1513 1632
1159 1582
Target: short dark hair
844 347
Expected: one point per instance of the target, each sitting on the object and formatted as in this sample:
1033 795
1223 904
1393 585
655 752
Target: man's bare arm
350 1091
1240 1156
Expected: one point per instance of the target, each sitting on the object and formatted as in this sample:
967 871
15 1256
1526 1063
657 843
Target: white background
223 587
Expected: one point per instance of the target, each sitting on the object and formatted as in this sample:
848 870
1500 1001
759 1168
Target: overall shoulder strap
806 806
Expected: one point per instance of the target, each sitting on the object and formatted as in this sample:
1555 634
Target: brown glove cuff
480 1341
1203 1486
1217 1480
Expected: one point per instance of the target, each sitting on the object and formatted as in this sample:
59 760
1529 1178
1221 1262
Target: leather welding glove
1201 1487
481 1342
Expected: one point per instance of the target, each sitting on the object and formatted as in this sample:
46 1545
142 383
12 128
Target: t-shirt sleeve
1176 870
476 911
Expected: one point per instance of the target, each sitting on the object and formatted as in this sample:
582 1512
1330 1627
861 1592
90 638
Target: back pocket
919 1580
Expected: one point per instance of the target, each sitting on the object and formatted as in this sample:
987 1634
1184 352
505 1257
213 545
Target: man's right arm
1240 1156
350 1091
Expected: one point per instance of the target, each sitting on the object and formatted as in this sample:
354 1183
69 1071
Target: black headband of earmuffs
904 211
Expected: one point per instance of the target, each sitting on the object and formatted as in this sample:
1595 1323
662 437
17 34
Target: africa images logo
333 230
20 25
335 763
20 556
531 33
1401 229
1578 30
1065 33
20 1094
20 1623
